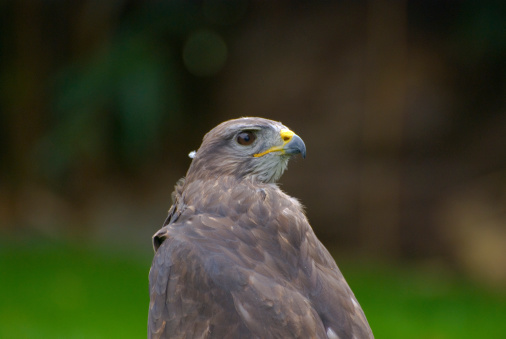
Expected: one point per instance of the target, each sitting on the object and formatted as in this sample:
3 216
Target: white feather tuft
192 154
331 334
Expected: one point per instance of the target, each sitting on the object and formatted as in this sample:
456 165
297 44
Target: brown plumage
237 258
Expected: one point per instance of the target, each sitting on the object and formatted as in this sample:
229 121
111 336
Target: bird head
247 148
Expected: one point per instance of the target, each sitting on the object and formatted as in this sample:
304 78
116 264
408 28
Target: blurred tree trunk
25 99
379 191
24 104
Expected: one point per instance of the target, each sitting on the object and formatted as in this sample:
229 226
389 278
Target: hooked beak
295 146
292 144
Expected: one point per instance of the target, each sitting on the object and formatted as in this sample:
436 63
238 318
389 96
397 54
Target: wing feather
201 286
261 273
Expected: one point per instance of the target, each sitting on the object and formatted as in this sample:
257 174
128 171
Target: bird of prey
236 256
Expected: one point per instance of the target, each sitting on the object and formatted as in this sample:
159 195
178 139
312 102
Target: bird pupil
246 138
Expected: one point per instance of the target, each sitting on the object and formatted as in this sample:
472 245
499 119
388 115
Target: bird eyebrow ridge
233 132
251 128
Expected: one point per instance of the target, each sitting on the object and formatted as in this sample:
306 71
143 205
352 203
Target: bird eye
246 138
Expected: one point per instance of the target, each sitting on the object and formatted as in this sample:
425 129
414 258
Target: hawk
236 256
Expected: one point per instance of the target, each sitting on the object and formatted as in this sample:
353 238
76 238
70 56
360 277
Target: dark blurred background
402 105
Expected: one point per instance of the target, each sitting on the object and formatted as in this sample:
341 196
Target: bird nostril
286 135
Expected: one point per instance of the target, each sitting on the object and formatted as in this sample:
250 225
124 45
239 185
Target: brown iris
246 138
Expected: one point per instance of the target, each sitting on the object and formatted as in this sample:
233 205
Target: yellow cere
286 135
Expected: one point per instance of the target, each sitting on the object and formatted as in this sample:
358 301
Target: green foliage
115 105
53 290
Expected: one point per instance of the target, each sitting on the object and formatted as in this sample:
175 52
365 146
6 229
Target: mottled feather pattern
237 258
233 246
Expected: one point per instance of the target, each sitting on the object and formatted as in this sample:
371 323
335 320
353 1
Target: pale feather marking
331 334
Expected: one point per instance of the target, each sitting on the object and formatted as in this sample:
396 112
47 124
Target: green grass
54 290
426 303
57 291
